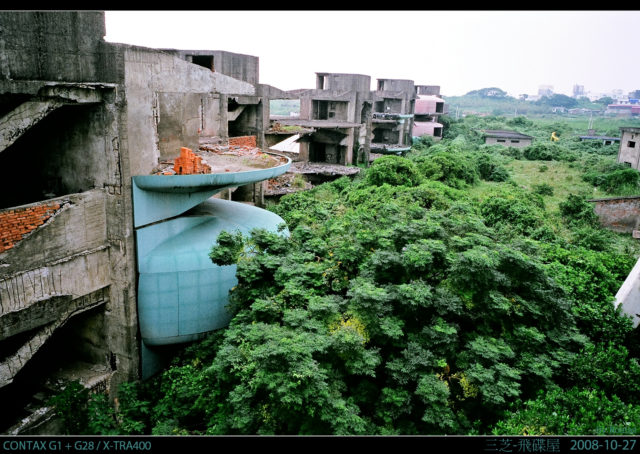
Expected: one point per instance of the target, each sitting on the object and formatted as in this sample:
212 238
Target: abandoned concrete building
85 124
105 227
392 119
506 138
605 140
337 114
429 106
629 151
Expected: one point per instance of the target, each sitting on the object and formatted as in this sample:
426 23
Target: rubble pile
286 184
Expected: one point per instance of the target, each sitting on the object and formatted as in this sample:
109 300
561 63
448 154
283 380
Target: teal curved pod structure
158 197
182 295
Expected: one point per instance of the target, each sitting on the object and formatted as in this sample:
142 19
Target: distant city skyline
516 51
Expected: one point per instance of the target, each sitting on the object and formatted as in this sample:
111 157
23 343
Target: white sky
461 51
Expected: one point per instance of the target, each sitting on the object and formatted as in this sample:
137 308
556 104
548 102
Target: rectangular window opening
206 61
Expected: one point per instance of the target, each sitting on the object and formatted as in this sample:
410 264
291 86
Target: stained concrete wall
621 214
174 98
86 248
428 90
345 82
238 66
629 151
521 143
53 45
61 262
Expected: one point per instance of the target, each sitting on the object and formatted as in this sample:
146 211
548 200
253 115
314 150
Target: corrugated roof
505 134
600 137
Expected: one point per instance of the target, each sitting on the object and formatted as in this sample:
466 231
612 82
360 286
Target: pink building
427 110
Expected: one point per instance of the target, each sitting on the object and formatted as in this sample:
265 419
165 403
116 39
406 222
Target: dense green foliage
400 303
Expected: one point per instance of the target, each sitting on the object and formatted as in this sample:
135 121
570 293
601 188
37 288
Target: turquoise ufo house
182 295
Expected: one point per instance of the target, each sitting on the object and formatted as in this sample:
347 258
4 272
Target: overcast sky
461 51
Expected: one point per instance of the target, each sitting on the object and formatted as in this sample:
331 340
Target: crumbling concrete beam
13 363
38 314
235 113
72 93
19 120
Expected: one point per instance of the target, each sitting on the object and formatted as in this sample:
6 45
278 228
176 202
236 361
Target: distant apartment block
545 90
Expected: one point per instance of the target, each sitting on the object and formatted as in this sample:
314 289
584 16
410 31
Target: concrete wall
83 255
428 90
176 99
346 82
402 85
628 153
53 45
620 214
66 257
239 66
520 143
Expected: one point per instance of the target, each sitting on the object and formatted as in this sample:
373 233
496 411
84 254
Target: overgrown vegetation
458 290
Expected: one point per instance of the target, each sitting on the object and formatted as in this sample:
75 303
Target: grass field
564 178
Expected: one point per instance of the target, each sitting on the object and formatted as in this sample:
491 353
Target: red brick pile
243 141
189 163
17 223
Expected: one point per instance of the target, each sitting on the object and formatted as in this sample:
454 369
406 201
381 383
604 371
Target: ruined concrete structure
87 128
393 111
336 116
429 105
629 151
79 117
345 121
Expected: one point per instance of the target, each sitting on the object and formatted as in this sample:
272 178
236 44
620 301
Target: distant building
629 152
429 106
338 115
578 90
392 119
545 90
507 138
606 140
623 109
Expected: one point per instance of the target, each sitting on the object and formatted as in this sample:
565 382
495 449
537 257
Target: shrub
455 170
542 151
490 170
576 209
543 189
569 412
393 170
